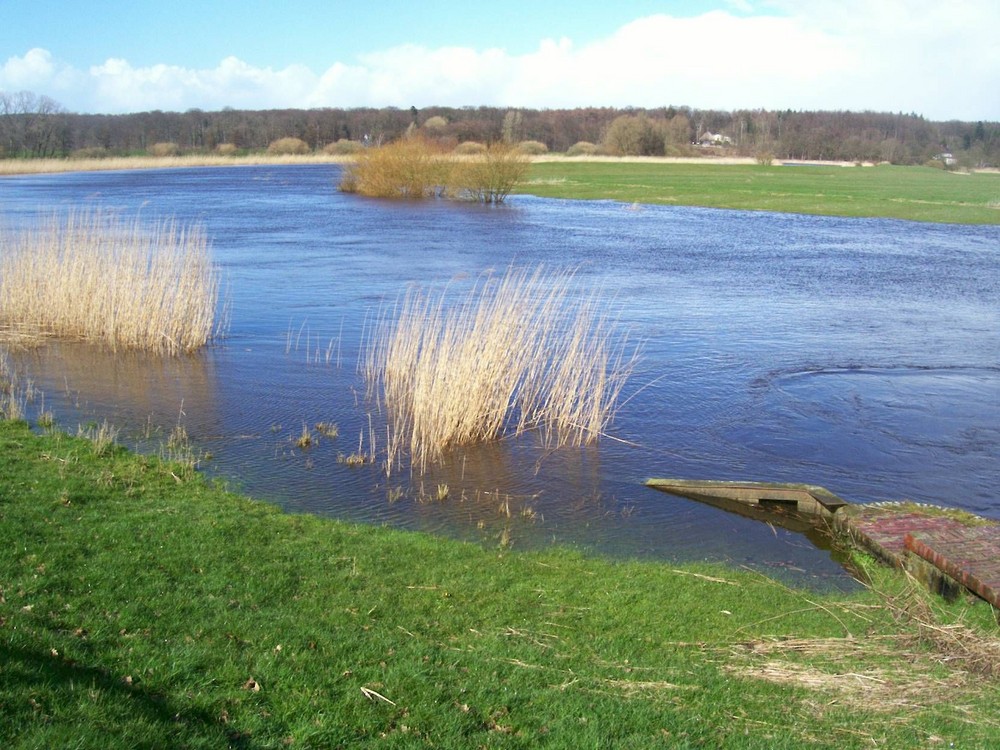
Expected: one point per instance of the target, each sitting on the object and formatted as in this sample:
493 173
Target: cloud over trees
933 58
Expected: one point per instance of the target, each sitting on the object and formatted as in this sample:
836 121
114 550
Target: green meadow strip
142 605
912 193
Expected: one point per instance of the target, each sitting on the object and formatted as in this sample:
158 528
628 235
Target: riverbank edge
160 584
817 205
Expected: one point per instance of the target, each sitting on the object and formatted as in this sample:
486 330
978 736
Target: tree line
37 126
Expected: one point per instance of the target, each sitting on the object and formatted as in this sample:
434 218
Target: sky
933 58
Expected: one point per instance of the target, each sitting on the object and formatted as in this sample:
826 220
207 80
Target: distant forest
34 126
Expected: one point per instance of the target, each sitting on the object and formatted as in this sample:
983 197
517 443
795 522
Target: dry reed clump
93 277
517 353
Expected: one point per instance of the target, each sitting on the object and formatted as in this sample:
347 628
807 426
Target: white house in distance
709 138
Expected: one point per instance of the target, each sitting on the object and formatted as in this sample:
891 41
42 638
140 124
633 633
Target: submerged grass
97 278
518 352
914 193
142 606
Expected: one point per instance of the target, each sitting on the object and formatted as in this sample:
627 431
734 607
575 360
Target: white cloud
121 87
938 59
411 74
36 67
713 60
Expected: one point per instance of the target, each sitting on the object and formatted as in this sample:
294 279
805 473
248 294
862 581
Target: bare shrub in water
516 353
96 278
490 176
407 168
416 167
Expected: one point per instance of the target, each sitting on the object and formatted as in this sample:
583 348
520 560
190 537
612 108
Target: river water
862 355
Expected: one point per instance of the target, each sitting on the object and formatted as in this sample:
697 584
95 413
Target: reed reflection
140 393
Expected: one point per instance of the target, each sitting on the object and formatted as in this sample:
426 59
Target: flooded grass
913 193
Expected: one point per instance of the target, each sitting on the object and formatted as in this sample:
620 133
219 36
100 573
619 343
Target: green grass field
914 193
142 606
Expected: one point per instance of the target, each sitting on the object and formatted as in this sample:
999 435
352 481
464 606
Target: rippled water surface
861 355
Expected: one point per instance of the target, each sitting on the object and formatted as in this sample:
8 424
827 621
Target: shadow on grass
46 696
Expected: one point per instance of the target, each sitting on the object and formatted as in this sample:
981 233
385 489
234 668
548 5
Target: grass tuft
103 437
327 429
305 439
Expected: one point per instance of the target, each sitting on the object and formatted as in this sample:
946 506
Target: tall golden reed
517 353
94 277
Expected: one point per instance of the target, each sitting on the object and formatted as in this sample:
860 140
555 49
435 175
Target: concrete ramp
805 500
947 549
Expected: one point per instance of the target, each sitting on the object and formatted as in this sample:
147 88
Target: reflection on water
121 387
862 355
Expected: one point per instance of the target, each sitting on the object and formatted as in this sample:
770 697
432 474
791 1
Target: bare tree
30 124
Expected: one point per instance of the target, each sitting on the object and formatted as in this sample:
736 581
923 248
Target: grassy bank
914 193
141 606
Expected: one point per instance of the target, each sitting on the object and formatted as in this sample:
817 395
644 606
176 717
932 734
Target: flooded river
862 355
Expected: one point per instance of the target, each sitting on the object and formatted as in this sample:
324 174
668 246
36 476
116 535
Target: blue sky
939 59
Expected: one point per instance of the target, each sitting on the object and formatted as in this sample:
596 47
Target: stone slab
971 556
965 548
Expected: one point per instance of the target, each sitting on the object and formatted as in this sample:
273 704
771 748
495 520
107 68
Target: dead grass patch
841 670
922 664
